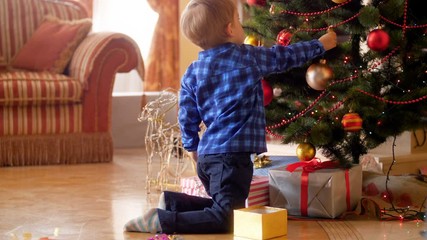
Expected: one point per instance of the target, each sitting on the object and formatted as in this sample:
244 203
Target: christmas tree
369 88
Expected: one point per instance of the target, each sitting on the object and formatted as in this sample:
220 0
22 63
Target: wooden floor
94 201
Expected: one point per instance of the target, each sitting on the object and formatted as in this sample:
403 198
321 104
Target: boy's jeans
227 178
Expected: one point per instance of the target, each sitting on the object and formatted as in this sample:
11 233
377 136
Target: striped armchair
58 118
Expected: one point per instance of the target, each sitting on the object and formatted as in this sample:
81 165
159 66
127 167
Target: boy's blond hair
204 22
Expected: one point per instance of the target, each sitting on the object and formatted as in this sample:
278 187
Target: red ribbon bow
312 165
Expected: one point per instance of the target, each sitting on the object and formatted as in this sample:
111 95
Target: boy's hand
329 39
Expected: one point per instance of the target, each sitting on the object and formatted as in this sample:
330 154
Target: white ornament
277 92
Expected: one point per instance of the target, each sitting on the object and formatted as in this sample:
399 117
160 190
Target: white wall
127 130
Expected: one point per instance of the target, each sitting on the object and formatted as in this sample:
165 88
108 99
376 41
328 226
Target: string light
317 12
346 59
391 101
394 213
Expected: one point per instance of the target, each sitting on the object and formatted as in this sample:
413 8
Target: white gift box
326 193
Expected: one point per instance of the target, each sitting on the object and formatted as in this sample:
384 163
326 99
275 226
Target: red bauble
256 2
268 92
284 38
352 122
378 40
404 200
370 190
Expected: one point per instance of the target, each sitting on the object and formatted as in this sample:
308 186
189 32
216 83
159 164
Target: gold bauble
318 75
338 1
253 40
306 151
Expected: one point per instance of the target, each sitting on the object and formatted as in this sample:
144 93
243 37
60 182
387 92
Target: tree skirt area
388 197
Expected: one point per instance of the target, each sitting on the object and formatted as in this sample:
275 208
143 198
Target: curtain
162 64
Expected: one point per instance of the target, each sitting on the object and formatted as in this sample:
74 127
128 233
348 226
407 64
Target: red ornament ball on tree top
378 40
352 122
256 2
268 92
284 38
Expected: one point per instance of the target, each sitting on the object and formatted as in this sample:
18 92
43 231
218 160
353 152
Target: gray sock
149 222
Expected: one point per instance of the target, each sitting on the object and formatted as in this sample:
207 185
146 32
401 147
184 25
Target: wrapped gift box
276 162
258 192
260 222
193 186
325 193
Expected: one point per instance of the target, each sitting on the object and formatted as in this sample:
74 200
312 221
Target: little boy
223 90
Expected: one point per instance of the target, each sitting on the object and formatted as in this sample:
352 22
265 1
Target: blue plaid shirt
223 89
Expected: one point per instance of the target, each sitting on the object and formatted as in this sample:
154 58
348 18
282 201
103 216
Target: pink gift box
193 186
258 192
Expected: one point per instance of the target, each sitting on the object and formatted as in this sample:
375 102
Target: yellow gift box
260 222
